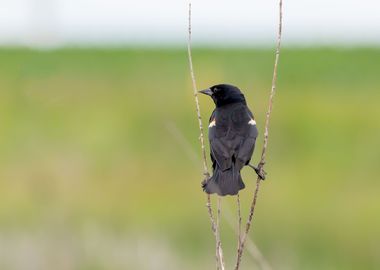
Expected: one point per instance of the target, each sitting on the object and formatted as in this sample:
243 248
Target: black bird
232 136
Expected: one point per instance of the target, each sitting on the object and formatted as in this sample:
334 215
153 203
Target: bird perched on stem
232 136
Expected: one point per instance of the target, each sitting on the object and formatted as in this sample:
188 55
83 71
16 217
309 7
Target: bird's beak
207 92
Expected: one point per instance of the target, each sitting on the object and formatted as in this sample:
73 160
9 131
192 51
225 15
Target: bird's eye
216 90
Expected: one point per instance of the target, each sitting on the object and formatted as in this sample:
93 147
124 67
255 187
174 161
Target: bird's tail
223 183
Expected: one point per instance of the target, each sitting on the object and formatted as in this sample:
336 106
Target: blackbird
232 135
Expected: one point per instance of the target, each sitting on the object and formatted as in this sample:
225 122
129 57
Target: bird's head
224 94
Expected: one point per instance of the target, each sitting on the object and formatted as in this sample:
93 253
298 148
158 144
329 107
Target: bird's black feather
232 136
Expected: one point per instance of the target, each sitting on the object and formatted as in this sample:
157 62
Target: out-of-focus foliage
100 164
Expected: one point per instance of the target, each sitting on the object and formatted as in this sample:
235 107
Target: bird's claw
259 171
204 182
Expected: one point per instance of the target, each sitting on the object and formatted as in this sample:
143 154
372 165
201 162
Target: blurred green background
100 162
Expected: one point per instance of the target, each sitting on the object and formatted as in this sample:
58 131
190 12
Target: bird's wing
247 145
220 154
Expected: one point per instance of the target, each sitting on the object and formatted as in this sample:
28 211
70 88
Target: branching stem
265 145
206 174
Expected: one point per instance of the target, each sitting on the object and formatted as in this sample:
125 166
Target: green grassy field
100 163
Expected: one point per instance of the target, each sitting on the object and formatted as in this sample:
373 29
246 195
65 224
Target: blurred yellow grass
88 156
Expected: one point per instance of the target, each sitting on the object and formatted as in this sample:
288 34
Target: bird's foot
259 171
204 184
205 181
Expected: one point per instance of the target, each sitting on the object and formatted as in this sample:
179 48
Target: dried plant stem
218 240
214 230
251 247
265 145
214 227
201 136
239 219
